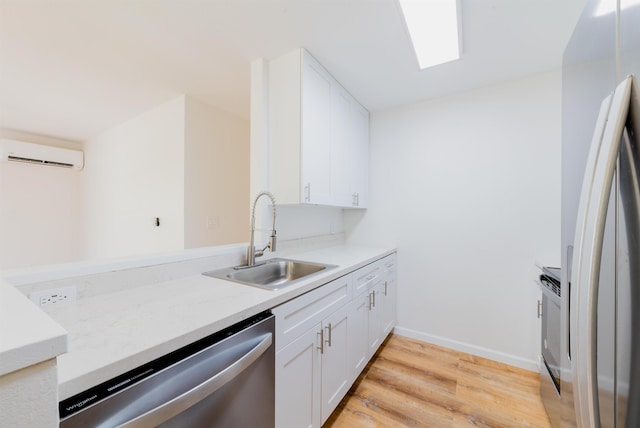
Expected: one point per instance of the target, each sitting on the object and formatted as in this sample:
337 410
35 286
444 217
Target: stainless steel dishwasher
224 380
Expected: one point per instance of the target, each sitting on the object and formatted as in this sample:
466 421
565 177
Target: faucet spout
252 253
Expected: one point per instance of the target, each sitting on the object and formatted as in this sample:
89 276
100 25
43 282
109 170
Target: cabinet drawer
364 277
297 316
388 264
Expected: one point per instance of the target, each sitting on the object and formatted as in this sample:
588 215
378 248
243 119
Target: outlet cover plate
53 296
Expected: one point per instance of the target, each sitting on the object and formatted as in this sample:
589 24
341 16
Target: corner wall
134 173
468 188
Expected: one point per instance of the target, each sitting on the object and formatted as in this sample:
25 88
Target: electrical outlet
212 222
53 296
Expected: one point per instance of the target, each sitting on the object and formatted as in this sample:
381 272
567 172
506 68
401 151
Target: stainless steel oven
225 380
550 339
549 281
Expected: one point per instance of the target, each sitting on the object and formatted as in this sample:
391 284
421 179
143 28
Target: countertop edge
28 336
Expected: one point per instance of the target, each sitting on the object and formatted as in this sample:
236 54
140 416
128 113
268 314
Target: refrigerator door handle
577 287
589 237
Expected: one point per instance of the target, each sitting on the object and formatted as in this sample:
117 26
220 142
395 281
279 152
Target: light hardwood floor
415 384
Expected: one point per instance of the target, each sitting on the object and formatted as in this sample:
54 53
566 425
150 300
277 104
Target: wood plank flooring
415 384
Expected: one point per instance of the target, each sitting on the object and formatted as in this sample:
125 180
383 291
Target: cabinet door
298 382
358 334
316 133
388 267
376 302
388 297
341 147
336 373
359 155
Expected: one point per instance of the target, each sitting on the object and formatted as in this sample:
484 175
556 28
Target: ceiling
72 69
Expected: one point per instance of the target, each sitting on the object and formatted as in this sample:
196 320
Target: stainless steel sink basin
273 274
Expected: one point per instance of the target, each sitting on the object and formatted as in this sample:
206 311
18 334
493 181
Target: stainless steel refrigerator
600 322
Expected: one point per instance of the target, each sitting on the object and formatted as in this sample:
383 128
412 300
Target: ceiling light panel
606 7
435 30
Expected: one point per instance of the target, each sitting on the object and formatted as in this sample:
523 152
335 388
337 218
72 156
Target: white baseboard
512 360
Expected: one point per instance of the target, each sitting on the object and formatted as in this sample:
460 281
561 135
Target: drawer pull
329 335
321 347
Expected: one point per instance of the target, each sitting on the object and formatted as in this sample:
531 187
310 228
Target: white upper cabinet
318 136
360 153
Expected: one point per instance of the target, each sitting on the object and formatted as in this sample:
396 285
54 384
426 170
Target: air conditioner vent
44 162
19 151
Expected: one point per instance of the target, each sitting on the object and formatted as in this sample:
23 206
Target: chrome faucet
252 252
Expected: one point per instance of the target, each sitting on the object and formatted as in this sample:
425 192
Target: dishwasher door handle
198 393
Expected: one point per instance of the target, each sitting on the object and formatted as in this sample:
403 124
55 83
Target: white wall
468 188
41 218
216 192
301 221
134 173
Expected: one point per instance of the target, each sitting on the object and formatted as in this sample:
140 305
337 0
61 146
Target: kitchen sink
273 274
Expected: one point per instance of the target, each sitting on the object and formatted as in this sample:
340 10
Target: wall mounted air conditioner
19 151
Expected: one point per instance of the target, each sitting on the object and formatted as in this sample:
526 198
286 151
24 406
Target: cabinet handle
321 347
385 288
370 305
539 309
329 334
307 192
370 277
357 199
374 298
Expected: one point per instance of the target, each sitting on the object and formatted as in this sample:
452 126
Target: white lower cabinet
342 330
298 381
359 334
380 303
336 370
388 297
376 306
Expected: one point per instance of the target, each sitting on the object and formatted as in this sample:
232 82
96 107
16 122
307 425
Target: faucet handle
272 241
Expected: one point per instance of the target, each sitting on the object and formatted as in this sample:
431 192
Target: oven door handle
182 402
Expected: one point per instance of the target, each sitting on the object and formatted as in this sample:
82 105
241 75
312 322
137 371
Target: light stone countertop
112 333
28 336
